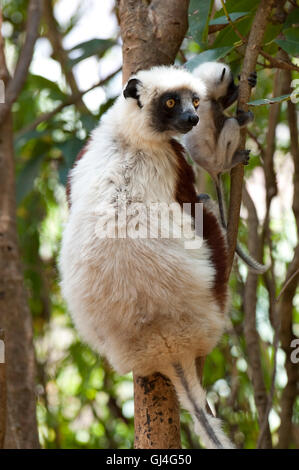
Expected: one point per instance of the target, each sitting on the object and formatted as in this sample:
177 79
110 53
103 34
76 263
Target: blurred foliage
82 403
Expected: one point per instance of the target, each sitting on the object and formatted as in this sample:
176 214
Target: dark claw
246 157
252 79
203 197
244 117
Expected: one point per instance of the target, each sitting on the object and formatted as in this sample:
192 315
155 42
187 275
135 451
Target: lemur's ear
222 75
131 90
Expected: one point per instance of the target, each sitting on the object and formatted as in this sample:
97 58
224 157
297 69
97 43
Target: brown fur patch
212 233
68 183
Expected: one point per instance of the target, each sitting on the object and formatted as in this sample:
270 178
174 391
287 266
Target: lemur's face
175 110
172 111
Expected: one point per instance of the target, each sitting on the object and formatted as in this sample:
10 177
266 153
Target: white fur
210 74
143 303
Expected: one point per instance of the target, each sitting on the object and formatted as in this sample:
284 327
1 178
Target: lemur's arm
233 91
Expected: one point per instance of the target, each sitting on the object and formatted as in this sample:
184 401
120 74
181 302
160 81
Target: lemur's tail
253 265
192 397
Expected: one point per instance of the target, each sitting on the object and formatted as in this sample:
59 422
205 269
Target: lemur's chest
150 177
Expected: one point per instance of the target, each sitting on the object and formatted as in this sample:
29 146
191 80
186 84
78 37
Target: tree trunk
15 317
152 33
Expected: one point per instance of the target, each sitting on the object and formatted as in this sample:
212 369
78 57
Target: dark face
175 111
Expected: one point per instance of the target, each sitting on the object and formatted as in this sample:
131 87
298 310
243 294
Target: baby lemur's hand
252 79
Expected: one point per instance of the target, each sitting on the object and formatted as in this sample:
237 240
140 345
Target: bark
2 389
15 317
157 418
152 32
251 335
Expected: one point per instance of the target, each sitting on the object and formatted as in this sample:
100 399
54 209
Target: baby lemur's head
164 100
219 82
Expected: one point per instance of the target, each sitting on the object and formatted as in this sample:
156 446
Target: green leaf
89 48
22 140
291 43
292 19
272 31
236 6
233 16
207 56
228 37
89 121
264 101
37 82
199 14
70 150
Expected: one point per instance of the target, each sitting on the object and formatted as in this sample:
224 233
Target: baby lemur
147 303
213 143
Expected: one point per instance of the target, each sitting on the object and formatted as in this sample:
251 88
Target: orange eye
196 102
170 103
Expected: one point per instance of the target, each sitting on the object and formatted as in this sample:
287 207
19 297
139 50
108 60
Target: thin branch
16 84
251 54
250 330
265 423
59 53
285 305
287 282
232 23
260 147
72 99
214 28
280 64
3 403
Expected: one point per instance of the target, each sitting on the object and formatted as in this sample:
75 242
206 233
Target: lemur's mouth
184 129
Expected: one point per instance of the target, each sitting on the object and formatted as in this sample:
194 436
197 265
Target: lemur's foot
203 197
244 117
242 156
252 79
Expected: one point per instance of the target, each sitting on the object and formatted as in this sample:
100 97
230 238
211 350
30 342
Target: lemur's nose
190 118
193 119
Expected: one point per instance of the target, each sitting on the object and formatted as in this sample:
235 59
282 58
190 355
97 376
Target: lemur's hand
252 79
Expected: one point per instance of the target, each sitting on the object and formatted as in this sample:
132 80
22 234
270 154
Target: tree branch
285 305
2 391
152 32
55 38
16 84
250 331
251 54
279 64
72 99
